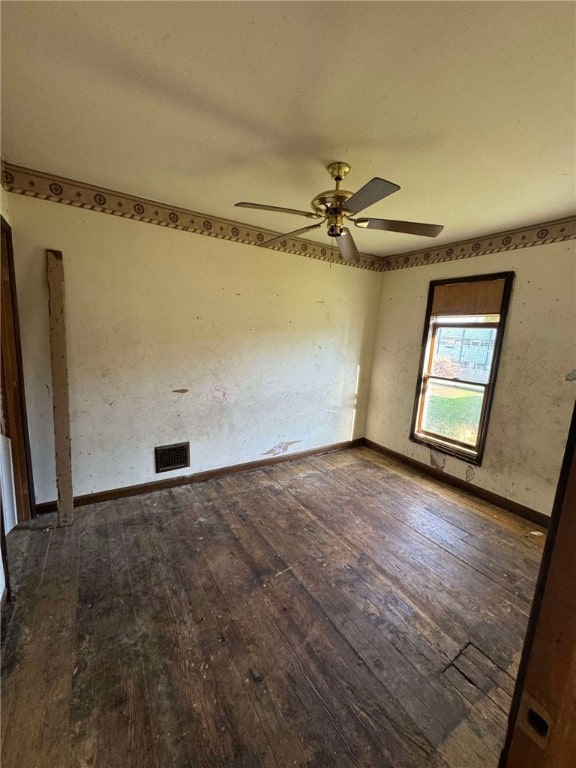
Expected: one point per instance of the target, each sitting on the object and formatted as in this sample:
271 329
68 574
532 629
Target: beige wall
4 204
533 400
267 345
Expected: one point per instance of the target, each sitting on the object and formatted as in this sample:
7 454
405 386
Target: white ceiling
468 106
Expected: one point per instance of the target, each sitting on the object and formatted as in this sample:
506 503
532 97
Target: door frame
19 436
540 701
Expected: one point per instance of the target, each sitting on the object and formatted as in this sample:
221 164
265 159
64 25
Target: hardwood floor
335 611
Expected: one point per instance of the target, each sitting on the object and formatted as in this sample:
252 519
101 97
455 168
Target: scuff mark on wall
469 472
180 391
220 394
437 460
280 448
571 375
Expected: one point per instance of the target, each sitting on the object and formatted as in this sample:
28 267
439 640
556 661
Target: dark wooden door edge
492 498
566 472
22 393
198 477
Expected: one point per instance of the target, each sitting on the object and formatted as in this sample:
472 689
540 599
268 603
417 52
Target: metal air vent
170 457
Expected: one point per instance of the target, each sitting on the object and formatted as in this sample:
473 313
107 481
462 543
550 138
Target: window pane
453 410
463 353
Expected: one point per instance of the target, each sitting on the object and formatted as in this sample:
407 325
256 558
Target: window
461 345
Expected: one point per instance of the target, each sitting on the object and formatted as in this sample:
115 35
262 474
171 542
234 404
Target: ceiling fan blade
347 245
370 193
408 227
294 233
308 214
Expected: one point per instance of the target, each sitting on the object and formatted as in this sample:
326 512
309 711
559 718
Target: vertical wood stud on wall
60 397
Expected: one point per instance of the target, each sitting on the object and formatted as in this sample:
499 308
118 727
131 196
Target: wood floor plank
441 595
49 626
125 727
445 580
309 627
286 473
98 719
449 502
445 504
338 611
435 706
505 571
25 547
233 579
208 675
243 581
500 677
491 560
155 624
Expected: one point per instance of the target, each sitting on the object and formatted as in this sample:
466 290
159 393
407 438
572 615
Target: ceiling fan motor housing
331 200
334 219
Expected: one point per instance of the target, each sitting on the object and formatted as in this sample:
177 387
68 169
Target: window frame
471 455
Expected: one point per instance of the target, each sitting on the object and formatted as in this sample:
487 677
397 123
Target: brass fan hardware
338 171
336 205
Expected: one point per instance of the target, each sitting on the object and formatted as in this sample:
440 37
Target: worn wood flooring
336 611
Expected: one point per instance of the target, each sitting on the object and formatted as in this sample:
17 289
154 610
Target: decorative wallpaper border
57 189
524 237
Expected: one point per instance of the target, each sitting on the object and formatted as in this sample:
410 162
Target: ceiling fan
336 206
